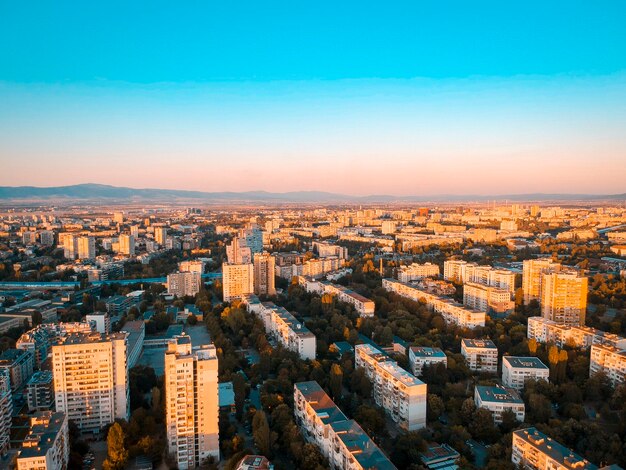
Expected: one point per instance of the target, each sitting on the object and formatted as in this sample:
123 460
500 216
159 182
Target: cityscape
295 236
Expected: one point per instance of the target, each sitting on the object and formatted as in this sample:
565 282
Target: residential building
548 331
283 327
342 441
502 279
516 370
237 252
534 450
237 281
498 400
610 360
6 411
40 391
19 364
364 306
136 331
254 462
91 379
415 271
481 354
564 297
127 244
70 245
160 235
421 356
440 457
264 267
191 402
46 237
101 321
184 284
493 300
450 310
47 444
86 248
402 395
454 270
533 270
191 266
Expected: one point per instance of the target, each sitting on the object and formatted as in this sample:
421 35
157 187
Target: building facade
264 272
422 356
481 354
516 370
237 281
47 446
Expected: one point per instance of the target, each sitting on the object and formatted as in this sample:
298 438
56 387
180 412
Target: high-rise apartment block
264 267
6 411
86 248
237 281
564 297
402 395
91 379
70 245
532 276
517 370
160 235
127 244
191 402
47 445
493 300
548 331
481 354
341 440
191 266
184 284
237 252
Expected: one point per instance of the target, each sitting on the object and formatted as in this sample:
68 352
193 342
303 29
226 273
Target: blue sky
357 97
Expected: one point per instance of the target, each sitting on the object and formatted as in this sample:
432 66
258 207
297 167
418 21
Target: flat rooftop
553 449
421 351
524 362
498 395
479 343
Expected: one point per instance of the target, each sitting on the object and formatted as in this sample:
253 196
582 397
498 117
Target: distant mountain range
96 192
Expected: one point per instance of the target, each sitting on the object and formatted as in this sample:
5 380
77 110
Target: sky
404 98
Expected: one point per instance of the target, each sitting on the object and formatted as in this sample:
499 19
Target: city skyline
413 102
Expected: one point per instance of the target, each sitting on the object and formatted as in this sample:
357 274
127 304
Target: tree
336 381
117 454
37 318
482 426
239 387
261 432
436 407
532 346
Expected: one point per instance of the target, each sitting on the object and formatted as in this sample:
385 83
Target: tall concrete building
6 411
91 379
182 284
564 297
237 252
532 277
127 244
70 245
47 445
237 281
264 264
86 247
191 402
160 235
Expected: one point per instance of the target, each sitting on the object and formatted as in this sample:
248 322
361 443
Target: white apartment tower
237 281
91 379
264 267
191 402
564 297
184 284
531 277
86 248
127 244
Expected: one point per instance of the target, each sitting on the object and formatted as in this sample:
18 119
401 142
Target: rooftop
321 403
556 451
44 428
421 351
524 362
498 394
478 343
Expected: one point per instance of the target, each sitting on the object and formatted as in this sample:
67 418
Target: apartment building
516 370
402 395
86 248
493 300
454 270
40 391
191 402
19 364
481 354
160 235
364 306
415 272
342 441
184 284
237 252
421 356
328 250
564 297
46 446
91 379
534 450
548 331
532 272
283 327
264 272
191 266
450 310
498 400
127 244
610 360
6 411
237 281
488 276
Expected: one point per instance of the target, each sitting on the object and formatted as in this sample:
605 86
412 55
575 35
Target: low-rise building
422 356
534 450
19 363
481 354
402 395
342 441
47 446
440 457
498 400
516 370
450 310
